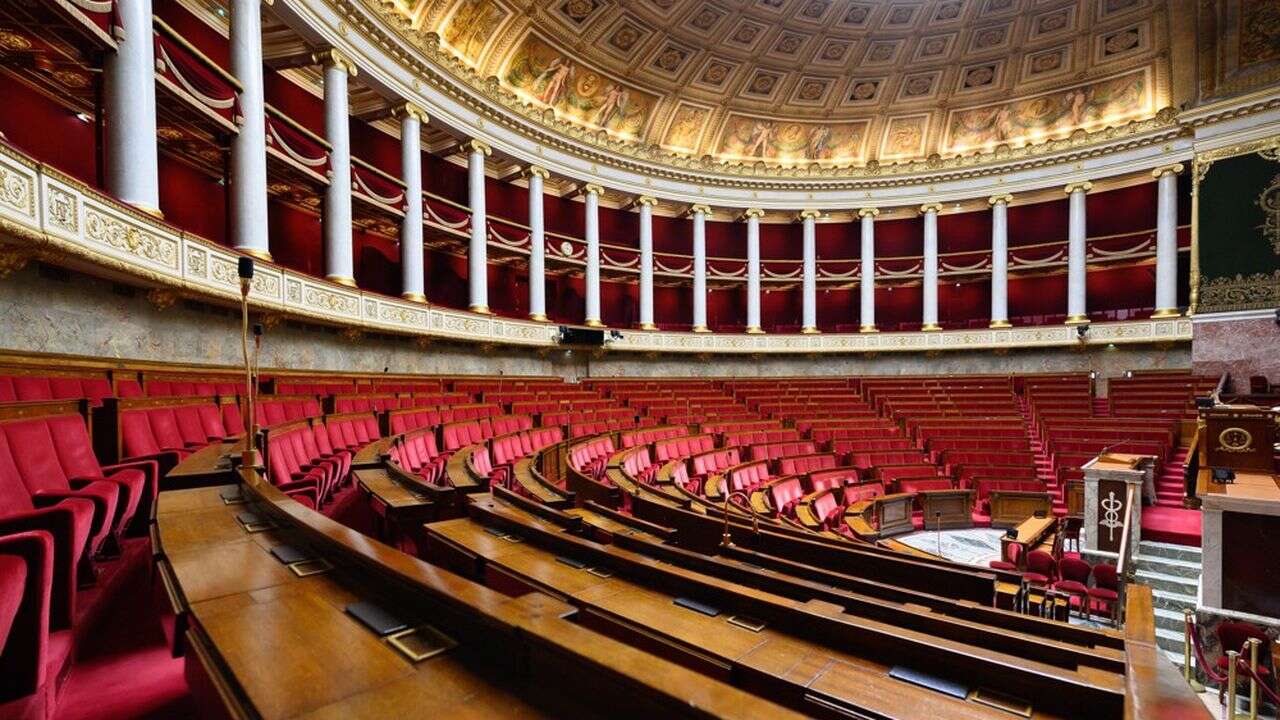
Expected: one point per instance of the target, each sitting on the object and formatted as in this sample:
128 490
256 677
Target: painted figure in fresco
819 143
614 104
1002 123
1077 100
554 79
761 136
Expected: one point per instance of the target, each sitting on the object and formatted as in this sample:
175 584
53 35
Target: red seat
1105 593
36 459
26 586
69 521
1233 635
139 480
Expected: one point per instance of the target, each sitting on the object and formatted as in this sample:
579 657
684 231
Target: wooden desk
1008 508
371 455
947 509
210 465
1030 533
398 510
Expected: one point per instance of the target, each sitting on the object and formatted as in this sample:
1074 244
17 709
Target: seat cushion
1103 594
1035 578
1071 586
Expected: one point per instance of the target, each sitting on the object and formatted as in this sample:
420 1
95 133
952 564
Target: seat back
35 455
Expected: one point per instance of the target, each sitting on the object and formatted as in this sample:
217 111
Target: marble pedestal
1104 506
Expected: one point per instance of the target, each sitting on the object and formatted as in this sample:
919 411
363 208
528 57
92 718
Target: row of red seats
457 435
401 421
417 453
647 435
169 433
30 388
591 456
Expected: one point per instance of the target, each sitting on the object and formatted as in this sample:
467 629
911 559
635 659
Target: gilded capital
592 189
868 212
479 146
647 200
536 170
1175 168
700 209
1085 186
996 199
753 213
410 110
930 208
809 214
333 57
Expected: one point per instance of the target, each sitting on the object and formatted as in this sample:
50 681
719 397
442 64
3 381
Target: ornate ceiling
831 82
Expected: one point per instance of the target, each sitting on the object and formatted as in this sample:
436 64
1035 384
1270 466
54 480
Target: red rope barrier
1266 689
1194 630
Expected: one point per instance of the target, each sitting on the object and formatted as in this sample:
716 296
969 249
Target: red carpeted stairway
1044 466
1168 521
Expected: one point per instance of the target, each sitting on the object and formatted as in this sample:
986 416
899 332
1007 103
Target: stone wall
1242 347
49 312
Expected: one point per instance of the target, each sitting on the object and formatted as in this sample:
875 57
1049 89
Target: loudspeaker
581 336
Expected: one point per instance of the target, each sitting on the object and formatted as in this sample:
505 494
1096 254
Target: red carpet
1171 525
124 670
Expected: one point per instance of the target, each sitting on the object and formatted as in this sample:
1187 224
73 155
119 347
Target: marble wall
79 315
1241 347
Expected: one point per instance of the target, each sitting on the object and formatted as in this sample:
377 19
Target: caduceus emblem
1111 515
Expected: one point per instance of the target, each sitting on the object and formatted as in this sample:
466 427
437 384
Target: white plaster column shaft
1000 260
1077 311
591 205
477 253
1166 240
809 281
929 281
700 213
753 216
537 245
249 145
867 288
339 264
132 169
412 267
646 203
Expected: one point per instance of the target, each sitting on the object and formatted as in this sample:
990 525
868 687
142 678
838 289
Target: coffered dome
827 82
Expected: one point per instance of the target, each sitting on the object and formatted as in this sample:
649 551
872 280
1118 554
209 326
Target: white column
1000 260
700 213
929 281
646 204
249 145
338 262
809 271
1166 240
132 170
537 245
753 216
591 203
477 254
1076 266
868 286
412 267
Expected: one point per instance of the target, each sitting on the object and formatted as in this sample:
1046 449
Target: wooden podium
1239 437
1010 507
947 509
1107 479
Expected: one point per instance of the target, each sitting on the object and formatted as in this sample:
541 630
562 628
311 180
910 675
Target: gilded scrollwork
1242 292
130 239
17 192
61 207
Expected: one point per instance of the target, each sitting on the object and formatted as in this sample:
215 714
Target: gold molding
1258 291
409 109
868 329
1084 186
648 326
868 212
262 255
646 200
480 146
809 214
1175 168
1165 313
538 170
1005 198
1000 324
810 330
755 330
414 297
341 280
753 213
538 317
701 329
930 327
593 323
333 57
1076 320
592 189
700 209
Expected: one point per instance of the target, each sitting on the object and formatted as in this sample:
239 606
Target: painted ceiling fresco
838 82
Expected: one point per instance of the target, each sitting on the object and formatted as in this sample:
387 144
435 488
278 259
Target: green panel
1238 226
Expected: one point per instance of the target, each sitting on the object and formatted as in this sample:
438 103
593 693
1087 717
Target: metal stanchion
1233 657
1253 681
1187 651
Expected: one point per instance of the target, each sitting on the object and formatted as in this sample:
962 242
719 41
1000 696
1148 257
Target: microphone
245 269
1112 446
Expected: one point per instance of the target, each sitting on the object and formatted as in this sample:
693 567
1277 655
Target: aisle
126 672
